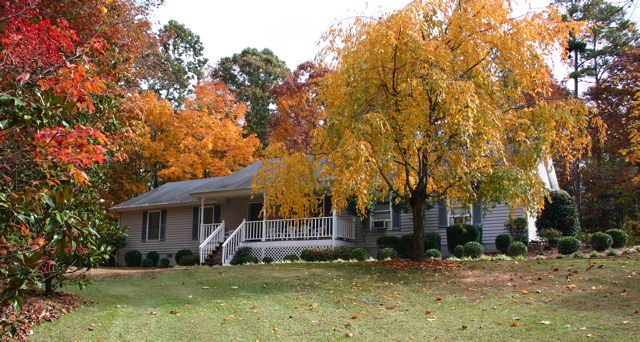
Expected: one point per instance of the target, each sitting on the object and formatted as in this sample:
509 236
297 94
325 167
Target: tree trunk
48 285
417 206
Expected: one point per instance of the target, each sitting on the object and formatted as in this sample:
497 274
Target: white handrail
230 246
210 243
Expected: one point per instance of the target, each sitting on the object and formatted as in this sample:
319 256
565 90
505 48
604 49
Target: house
218 215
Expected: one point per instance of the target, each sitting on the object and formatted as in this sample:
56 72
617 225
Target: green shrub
133 258
267 260
458 251
316 254
164 262
241 254
387 253
612 252
619 237
433 254
405 245
550 237
147 262
502 257
291 257
248 259
633 229
154 256
181 253
568 245
540 257
517 228
473 249
503 241
594 254
387 241
516 248
360 254
560 213
189 260
460 234
578 255
601 241
343 252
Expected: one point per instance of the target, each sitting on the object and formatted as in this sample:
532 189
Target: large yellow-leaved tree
443 100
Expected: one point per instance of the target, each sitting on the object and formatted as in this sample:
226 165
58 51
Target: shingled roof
181 192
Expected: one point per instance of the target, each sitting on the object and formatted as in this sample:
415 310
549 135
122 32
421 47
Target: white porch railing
212 241
230 246
299 229
207 229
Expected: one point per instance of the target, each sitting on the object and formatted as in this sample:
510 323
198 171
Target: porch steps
215 257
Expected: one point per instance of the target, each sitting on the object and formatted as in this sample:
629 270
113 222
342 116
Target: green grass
492 300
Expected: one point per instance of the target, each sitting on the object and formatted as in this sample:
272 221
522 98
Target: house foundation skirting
277 250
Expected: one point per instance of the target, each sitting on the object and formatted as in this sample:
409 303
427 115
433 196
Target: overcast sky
290 28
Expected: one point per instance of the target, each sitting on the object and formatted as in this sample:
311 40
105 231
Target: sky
290 28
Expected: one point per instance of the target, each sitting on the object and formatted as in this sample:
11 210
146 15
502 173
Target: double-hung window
153 225
381 216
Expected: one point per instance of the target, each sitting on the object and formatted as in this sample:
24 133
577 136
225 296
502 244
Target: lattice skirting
278 253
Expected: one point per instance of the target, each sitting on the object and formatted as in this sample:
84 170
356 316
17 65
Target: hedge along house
213 217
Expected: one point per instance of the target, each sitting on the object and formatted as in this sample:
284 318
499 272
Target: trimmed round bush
154 256
360 254
517 248
147 262
601 241
460 234
291 257
165 262
473 249
316 254
568 245
560 213
503 241
181 253
189 260
619 237
239 257
550 237
387 241
458 251
342 252
433 254
133 258
267 260
248 259
387 253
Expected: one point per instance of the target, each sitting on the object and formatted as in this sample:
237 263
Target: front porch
276 238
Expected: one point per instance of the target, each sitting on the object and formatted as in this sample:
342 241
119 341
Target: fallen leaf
389 308
515 324
348 334
525 292
453 308
438 298
205 287
545 322
174 312
427 313
354 316
153 313
464 327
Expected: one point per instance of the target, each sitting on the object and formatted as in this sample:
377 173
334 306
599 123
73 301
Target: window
460 215
381 216
255 211
208 217
153 225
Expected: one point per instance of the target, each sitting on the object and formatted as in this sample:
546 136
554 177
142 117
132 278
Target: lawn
553 300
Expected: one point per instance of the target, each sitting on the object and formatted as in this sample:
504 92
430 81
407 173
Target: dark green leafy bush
560 213
387 253
473 249
433 254
154 256
291 257
133 258
405 245
517 228
550 237
458 251
165 262
460 234
316 254
601 241
503 241
343 252
147 262
387 241
619 237
182 253
248 259
568 245
240 257
360 254
189 260
267 260
517 248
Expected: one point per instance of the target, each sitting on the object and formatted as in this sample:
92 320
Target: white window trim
149 224
201 214
454 214
387 224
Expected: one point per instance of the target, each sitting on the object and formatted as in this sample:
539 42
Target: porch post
334 226
264 221
200 232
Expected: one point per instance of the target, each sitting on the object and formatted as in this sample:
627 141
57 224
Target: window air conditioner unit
381 224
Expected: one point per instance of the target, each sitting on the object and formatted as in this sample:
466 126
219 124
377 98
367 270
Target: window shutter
144 225
395 219
443 215
163 223
477 213
326 206
216 214
196 227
